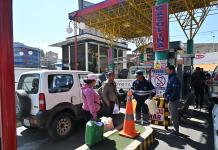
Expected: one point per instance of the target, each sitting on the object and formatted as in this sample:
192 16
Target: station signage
159 79
160 27
199 56
159 116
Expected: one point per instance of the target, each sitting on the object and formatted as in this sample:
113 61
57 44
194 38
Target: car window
29 83
60 83
81 78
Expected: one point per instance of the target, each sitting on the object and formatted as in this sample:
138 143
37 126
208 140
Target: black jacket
142 89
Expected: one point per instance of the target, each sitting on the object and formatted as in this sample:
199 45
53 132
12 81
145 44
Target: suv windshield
29 83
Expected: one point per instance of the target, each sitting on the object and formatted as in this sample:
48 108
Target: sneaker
146 123
138 121
170 131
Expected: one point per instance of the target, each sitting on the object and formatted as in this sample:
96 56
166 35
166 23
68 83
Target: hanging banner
160 27
110 59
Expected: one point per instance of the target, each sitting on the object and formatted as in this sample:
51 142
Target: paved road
34 139
196 134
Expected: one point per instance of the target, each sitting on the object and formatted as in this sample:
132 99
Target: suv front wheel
61 126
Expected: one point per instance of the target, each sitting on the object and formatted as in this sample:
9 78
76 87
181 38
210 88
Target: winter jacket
142 90
197 80
109 91
172 92
91 100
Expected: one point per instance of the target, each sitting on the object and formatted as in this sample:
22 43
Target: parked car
18 71
213 88
215 125
50 99
213 104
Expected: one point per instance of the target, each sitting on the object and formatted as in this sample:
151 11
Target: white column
99 59
87 57
69 59
124 59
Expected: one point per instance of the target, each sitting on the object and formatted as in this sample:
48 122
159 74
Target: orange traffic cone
129 124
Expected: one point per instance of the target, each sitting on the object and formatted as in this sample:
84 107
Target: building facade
92 53
205 47
51 57
25 56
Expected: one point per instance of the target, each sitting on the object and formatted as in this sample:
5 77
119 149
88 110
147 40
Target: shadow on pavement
108 145
37 139
185 139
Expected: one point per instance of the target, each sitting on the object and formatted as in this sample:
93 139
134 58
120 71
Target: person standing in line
91 102
197 83
172 95
142 90
109 94
203 76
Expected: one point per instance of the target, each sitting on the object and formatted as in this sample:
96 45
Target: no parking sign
159 79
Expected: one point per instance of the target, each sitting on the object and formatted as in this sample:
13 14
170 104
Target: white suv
50 99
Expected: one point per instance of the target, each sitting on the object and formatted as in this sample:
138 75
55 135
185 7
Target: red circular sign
159 81
199 56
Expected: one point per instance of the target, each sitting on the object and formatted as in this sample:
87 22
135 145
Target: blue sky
39 23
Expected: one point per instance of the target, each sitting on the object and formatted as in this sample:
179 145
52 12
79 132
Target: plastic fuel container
94 132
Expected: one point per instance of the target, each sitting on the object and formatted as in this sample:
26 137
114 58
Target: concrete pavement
196 133
34 139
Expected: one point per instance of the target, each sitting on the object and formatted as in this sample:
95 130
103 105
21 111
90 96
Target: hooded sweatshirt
91 100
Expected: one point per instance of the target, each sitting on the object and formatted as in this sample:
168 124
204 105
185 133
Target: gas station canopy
130 19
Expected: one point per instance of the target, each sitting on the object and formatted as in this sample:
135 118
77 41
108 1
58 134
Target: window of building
115 54
81 57
65 56
93 57
60 83
120 54
82 77
103 59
